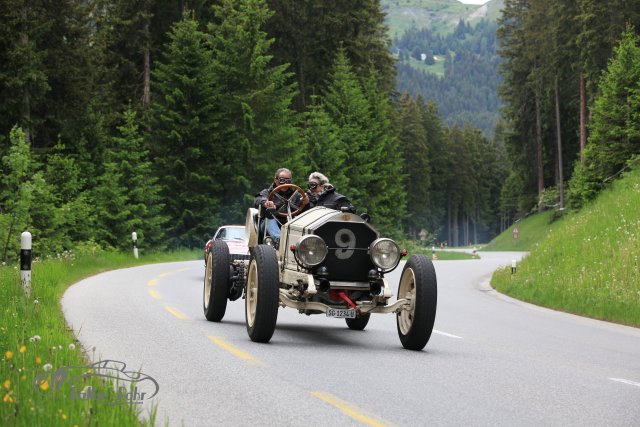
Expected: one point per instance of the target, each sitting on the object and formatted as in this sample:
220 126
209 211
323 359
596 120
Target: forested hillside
459 71
120 116
571 84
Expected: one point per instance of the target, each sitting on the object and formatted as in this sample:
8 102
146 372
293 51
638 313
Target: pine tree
256 131
184 138
348 108
615 127
323 151
16 194
417 167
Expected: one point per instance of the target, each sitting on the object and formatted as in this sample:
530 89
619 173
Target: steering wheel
296 205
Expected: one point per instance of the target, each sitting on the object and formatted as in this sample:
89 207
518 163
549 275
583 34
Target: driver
284 200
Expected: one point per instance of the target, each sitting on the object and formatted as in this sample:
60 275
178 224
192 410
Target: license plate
348 313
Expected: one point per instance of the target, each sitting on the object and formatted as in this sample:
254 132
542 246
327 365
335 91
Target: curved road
491 360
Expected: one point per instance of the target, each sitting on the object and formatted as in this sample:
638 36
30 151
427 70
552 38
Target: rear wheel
216 282
359 323
418 284
262 295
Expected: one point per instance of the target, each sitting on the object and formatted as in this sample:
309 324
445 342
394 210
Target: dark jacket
281 205
329 198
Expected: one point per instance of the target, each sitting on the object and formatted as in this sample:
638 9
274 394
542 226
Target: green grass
531 230
588 264
414 247
35 342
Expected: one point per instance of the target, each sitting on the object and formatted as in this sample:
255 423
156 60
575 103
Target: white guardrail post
134 238
25 262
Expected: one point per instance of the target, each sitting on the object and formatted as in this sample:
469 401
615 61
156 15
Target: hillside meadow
587 263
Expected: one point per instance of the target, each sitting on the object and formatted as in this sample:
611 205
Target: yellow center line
348 409
154 294
152 282
235 351
176 313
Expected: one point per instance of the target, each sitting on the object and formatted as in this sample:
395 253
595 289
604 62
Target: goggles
312 185
283 180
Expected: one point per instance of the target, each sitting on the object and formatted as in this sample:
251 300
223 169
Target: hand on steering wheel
296 205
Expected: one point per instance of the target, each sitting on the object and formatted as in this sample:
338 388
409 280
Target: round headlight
384 253
311 250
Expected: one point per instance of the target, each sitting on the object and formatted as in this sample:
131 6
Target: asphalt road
491 360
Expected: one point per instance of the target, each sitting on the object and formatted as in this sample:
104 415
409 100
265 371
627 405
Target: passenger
279 204
322 193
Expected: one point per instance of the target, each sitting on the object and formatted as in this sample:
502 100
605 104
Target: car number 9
346 239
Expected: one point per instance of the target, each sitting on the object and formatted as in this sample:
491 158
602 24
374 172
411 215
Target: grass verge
35 343
414 247
588 263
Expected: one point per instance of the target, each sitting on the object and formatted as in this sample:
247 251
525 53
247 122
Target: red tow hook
346 298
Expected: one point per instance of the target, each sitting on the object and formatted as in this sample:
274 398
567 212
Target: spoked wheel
418 284
261 304
216 282
359 323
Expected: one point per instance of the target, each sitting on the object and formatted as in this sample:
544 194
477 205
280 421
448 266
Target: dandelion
64 416
8 398
47 367
72 346
38 360
23 349
9 355
6 384
44 385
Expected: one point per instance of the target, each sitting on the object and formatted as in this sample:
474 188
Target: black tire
262 294
216 282
359 323
418 281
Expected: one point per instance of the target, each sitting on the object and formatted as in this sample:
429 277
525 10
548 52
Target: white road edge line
446 334
621 380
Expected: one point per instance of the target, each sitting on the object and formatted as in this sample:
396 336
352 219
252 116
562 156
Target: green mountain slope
441 16
589 263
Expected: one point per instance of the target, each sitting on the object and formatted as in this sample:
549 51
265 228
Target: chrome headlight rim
302 254
372 254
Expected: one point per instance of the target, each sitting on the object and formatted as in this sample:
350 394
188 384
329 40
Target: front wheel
418 284
262 295
216 282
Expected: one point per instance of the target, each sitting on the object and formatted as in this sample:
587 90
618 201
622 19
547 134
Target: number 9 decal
345 238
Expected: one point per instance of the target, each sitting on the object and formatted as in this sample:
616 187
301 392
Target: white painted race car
328 262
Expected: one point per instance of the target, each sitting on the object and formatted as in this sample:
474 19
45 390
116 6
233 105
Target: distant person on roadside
322 193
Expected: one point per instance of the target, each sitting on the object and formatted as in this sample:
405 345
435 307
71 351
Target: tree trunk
539 163
583 116
146 77
560 181
24 41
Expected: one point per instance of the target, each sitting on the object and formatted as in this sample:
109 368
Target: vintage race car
228 244
328 262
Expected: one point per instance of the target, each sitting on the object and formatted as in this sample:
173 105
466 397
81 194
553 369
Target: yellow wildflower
6 384
8 398
8 355
38 360
64 417
44 385
23 349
